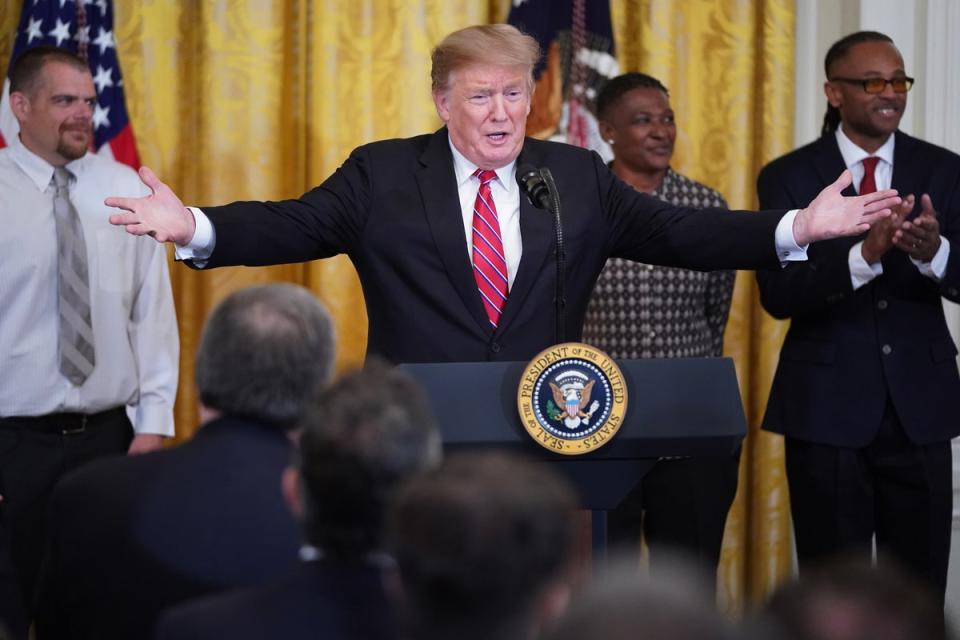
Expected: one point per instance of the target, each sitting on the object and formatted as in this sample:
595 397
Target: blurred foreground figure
132 536
622 603
371 430
485 547
852 601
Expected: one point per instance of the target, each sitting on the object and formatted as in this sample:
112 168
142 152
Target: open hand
920 237
832 215
160 215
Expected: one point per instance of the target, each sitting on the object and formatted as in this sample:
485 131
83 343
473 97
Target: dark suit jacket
133 535
846 350
393 208
326 600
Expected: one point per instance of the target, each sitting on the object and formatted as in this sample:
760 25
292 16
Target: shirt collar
37 169
852 154
465 169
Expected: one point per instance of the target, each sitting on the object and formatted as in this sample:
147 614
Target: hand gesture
832 215
920 237
160 215
880 238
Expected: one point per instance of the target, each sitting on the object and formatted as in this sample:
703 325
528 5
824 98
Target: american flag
86 28
577 40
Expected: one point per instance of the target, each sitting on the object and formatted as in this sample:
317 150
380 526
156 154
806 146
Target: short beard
71 151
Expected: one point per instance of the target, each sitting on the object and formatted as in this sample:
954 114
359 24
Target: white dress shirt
134 324
861 272
506 198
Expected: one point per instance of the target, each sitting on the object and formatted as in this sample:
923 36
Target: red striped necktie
868 184
489 264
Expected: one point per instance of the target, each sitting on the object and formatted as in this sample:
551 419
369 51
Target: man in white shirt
79 348
867 390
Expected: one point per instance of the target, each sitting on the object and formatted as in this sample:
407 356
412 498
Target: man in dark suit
132 536
360 439
867 390
442 284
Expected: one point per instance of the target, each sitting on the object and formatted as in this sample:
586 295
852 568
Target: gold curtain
729 67
262 99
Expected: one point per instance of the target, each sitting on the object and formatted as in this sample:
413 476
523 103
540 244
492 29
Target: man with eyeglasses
867 390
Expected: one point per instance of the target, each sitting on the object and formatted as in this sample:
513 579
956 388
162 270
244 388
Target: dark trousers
680 505
901 492
35 453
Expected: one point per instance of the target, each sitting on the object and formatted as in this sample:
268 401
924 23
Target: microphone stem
560 300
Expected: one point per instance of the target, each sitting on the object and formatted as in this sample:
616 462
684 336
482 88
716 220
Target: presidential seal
572 398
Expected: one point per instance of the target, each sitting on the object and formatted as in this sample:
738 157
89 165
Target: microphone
534 186
542 192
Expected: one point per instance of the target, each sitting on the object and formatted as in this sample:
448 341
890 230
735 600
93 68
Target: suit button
495 347
882 305
887 349
952 291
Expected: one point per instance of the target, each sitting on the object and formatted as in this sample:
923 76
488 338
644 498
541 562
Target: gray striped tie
76 329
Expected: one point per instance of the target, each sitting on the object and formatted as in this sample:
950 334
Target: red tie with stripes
489 264
868 184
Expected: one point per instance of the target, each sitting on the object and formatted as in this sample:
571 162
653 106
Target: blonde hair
493 44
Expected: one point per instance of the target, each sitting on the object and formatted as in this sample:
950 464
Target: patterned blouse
646 311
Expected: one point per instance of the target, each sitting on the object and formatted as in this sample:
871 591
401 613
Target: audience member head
263 352
853 601
360 439
624 603
869 111
52 97
484 545
482 85
636 120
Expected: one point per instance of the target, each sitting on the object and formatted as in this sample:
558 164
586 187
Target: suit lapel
829 163
536 232
438 187
904 178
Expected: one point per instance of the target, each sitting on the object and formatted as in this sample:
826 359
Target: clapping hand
880 238
920 237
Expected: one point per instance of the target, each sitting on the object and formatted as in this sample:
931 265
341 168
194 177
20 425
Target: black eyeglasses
877 85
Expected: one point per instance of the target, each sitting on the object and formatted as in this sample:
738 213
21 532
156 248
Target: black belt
62 423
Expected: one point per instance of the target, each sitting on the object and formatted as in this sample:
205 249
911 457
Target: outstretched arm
832 215
161 215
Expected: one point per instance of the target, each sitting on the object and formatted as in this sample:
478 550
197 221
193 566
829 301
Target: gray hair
622 603
263 352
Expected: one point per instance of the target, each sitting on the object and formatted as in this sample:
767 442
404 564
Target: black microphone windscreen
534 186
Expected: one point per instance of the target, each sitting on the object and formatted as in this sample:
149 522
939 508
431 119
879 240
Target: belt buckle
76 430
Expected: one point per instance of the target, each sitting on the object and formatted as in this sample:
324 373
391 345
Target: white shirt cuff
154 419
201 244
787 248
937 267
861 272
